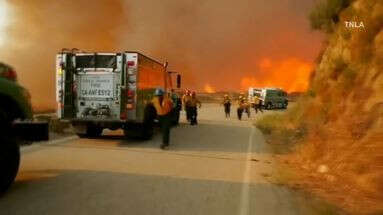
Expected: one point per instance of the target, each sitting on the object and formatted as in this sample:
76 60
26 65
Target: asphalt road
222 166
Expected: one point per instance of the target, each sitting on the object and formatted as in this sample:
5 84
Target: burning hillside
209 89
291 74
339 121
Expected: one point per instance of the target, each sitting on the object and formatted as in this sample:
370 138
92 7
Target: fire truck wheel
93 131
9 162
285 104
9 150
147 130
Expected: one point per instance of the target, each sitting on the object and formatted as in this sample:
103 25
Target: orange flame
209 89
291 74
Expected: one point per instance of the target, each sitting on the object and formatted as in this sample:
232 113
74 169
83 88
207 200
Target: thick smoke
38 29
221 42
218 43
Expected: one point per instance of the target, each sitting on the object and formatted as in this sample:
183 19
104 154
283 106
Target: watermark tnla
353 24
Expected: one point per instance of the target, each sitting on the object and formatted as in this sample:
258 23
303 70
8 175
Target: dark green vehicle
15 124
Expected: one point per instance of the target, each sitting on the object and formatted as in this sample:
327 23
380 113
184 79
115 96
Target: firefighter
241 106
257 104
247 107
163 106
227 105
186 101
239 109
194 102
177 107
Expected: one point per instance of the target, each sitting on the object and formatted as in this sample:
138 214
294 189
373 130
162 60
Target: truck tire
91 131
148 125
147 131
285 104
9 162
144 130
269 106
9 150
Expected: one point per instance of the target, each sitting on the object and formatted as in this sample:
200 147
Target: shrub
268 123
283 128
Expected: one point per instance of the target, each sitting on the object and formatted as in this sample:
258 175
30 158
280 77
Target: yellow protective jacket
243 104
226 101
164 108
185 100
193 102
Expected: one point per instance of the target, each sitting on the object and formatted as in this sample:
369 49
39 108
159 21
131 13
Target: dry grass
353 160
279 129
354 171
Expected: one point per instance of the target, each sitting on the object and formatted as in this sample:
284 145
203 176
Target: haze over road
218 167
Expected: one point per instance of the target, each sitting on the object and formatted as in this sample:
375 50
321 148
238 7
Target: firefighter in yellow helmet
163 106
247 107
193 103
243 106
185 102
257 104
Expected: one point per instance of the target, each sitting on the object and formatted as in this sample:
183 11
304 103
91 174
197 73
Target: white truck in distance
271 98
109 90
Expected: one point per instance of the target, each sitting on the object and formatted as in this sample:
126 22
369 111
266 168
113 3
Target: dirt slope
342 114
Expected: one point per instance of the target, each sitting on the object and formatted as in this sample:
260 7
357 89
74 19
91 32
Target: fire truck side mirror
178 81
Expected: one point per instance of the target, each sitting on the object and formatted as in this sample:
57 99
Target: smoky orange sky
217 44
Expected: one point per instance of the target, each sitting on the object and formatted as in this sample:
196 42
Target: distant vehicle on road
109 90
271 98
15 124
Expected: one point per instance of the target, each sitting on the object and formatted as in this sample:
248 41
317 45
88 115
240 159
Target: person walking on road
186 101
241 107
227 105
246 107
177 107
163 106
194 102
257 104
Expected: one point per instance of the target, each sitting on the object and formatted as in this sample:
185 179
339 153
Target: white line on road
245 192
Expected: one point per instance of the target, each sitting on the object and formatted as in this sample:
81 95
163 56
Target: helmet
159 92
226 96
